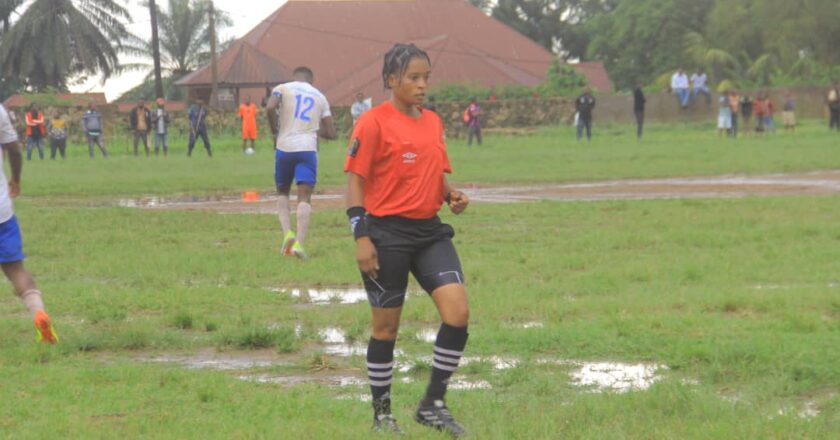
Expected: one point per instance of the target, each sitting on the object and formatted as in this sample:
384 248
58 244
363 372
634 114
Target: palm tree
184 37
763 68
56 39
717 61
7 7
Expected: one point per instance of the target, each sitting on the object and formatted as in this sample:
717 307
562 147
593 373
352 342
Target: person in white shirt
160 120
359 107
679 84
698 86
303 114
11 244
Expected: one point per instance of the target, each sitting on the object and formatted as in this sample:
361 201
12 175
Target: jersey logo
409 157
354 148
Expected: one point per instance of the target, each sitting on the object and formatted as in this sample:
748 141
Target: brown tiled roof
241 64
343 41
597 75
72 99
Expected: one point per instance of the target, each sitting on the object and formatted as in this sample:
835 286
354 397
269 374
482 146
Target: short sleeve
325 113
8 134
278 91
364 145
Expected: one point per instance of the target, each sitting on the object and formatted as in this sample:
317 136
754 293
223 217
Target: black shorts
422 247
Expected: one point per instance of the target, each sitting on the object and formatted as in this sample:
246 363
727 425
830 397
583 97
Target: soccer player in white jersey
303 114
11 245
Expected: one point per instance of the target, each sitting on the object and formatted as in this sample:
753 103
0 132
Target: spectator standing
746 111
92 123
734 104
58 135
679 85
789 113
769 122
584 105
141 122
360 107
198 127
35 132
724 115
639 101
833 101
760 110
474 123
160 122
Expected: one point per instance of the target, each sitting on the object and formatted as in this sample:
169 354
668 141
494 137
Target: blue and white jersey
8 135
302 107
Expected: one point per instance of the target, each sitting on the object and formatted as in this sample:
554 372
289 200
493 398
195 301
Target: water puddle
290 380
358 397
224 203
336 344
222 361
497 362
616 377
324 295
462 384
427 335
729 186
833 285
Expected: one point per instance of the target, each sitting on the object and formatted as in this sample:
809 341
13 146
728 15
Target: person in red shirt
397 166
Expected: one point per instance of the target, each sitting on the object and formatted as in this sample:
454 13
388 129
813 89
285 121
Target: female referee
396 165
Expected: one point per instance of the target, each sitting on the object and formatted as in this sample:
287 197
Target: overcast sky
244 13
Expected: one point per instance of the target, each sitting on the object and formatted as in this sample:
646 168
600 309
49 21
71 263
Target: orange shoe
46 332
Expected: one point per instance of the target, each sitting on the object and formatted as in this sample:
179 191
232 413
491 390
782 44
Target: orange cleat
46 332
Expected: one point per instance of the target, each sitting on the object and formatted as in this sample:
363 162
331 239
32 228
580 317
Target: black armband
358 222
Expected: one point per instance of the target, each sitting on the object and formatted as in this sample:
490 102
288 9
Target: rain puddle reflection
616 377
221 361
336 380
325 295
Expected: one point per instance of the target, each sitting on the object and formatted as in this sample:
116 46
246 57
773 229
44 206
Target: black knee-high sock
449 347
380 366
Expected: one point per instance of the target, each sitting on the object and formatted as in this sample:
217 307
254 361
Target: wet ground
270 368
730 186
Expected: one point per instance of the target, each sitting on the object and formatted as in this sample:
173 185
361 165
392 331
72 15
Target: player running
303 115
396 167
11 245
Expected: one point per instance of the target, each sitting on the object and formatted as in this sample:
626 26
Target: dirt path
730 186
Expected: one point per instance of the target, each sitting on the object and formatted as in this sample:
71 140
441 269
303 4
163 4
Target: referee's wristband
358 222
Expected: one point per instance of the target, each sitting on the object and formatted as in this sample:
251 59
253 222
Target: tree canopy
54 40
747 42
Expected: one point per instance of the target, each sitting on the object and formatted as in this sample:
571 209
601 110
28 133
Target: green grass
738 298
551 155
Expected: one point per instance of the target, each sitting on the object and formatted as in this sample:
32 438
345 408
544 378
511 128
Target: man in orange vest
248 115
35 131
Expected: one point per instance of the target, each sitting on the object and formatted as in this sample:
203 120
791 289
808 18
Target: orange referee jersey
402 160
248 113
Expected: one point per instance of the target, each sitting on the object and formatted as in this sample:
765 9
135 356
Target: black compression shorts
422 247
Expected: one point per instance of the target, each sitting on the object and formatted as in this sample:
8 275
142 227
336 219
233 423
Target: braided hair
398 58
